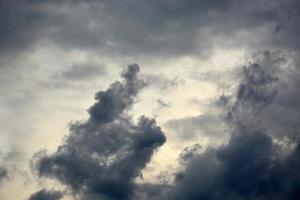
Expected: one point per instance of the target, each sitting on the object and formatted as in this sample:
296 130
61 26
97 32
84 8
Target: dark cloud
266 98
46 195
102 156
22 25
260 160
151 191
117 98
253 164
155 27
246 168
257 89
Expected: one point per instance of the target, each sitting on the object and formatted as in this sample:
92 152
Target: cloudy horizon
149 100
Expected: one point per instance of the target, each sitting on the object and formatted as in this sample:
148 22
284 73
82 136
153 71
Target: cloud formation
102 156
50 45
253 165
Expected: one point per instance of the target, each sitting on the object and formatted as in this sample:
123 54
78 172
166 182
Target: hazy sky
149 99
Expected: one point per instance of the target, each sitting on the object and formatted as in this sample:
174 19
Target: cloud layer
148 27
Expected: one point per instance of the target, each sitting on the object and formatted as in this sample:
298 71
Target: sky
149 99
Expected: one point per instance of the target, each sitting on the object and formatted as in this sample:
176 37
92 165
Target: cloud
22 24
117 98
263 114
265 95
102 156
252 165
243 169
46 195
131 27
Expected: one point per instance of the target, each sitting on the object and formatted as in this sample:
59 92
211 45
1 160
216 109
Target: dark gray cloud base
134 27
102 156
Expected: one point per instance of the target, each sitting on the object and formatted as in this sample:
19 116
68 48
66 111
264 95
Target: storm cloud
102 156
148 27
252 165
223 77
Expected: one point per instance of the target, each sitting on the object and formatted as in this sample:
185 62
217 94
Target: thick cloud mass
102 156
147 27
246 168
252 165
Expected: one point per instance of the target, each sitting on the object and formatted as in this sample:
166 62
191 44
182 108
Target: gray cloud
118 97
46 195
261 160
147 27
265 95
102 156
243 169
82 71
253 165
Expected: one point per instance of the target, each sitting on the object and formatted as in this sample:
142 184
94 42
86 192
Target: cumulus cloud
102 156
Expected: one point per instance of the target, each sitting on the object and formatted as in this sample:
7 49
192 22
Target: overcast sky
149 99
